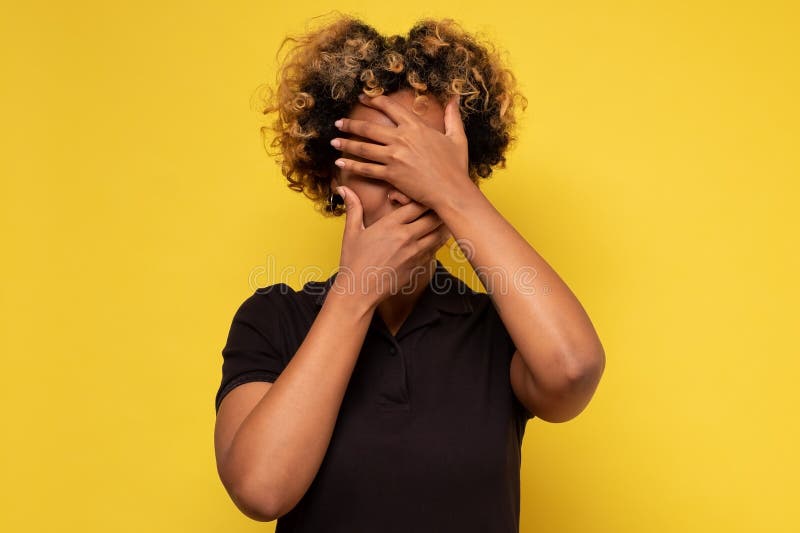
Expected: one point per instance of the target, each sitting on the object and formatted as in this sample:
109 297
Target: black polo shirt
429 434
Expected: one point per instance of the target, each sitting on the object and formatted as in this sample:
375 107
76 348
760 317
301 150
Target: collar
445 292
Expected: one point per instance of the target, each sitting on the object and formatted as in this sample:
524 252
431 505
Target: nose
396 196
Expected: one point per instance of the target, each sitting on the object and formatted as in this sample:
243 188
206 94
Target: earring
334 200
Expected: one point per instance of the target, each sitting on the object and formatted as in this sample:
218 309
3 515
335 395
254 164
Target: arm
562 355
560 359
270 445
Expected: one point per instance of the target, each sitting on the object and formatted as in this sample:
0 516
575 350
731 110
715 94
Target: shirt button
392 350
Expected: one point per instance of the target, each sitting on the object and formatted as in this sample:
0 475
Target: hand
388 255
425 164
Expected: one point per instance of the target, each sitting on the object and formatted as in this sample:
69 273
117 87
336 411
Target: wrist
464 200
351 298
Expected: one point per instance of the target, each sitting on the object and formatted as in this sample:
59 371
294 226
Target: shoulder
267 300
280 300
486 317
275 304
480 302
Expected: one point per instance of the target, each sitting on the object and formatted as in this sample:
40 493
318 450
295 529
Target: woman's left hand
420 161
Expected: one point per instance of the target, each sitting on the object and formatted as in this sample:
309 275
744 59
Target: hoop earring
334 201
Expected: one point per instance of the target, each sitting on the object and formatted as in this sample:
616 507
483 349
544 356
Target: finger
364 150
370 170
368 129
398 113
434 240
354 216
448 234
404 214
453 125
425 224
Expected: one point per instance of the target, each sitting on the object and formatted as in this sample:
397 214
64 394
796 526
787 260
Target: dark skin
559 358
271 438
379 198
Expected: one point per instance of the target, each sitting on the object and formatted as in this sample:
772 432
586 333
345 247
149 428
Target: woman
391 397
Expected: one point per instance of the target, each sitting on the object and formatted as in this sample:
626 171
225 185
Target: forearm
279 447
547 323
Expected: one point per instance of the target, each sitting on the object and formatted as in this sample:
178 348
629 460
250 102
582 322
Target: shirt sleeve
507 346
253 349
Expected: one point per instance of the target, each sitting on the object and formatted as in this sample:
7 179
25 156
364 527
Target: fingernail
338 123
341 192
362 96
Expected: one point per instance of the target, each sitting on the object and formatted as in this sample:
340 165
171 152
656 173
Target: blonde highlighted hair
322 74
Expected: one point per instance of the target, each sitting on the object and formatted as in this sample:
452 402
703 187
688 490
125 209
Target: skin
559 358
270 438
378 198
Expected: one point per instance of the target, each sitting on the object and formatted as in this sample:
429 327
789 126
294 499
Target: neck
397 307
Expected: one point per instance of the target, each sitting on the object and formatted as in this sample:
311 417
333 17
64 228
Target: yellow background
656 171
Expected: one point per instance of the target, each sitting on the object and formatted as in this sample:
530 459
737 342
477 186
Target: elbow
254 502
585 378
586 370
576 391
262 498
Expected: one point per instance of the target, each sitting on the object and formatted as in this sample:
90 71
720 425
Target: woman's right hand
376 262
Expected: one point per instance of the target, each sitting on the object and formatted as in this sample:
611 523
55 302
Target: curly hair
321 76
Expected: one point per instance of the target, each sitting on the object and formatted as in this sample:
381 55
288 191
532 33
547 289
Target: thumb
354 218
453 125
